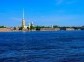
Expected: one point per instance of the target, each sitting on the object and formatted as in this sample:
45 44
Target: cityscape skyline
42 12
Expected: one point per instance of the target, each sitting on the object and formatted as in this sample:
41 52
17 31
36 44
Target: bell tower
23 21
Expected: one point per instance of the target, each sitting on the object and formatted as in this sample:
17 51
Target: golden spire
23 13
23 21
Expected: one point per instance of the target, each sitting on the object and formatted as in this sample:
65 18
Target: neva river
59 46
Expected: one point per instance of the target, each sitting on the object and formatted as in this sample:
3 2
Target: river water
38 46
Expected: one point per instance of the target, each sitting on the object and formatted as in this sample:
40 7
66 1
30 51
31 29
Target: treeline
2 27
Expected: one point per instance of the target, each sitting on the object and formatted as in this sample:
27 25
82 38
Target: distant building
69 29
49 29
52 26
57 29
30 26
78 29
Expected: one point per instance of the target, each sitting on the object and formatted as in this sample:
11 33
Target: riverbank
42 29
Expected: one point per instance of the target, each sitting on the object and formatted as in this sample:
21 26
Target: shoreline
42 31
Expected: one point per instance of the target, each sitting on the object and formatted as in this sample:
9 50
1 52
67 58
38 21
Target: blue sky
42 12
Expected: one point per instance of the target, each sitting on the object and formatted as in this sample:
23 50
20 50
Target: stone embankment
5 29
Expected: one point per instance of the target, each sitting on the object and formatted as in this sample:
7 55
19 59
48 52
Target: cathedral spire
23 21
23 13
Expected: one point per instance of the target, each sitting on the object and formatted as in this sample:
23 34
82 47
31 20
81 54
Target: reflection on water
60 46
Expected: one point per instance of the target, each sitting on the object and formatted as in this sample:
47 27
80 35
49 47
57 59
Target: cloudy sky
42 12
